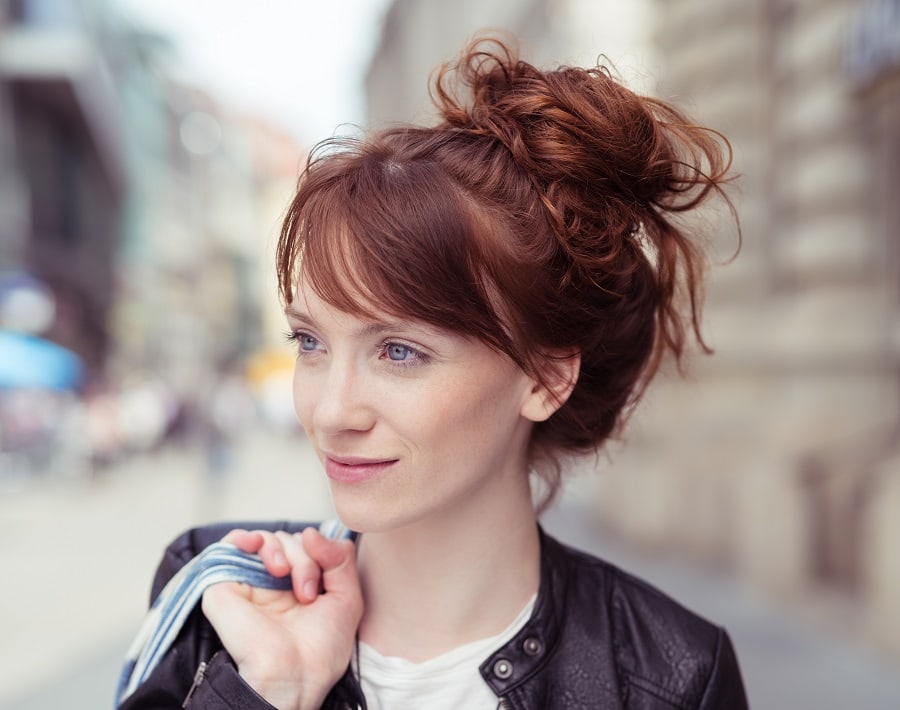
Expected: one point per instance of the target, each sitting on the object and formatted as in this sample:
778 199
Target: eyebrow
292 312
371 328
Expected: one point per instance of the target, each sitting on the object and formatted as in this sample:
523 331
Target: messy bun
607 166
540 215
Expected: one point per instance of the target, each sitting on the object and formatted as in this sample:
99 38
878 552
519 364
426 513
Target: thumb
336 559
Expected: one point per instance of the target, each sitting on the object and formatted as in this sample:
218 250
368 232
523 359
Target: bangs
369 234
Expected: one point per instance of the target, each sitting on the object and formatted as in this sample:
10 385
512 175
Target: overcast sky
301 62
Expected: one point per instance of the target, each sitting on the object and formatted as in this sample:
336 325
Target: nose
342 401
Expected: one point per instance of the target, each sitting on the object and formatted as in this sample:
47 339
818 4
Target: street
78 558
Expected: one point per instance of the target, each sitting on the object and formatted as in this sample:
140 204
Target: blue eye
307 342
399 353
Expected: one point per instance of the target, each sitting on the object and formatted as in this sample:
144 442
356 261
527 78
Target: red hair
539 215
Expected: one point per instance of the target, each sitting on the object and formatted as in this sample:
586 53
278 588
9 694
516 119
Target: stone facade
804 389
417 35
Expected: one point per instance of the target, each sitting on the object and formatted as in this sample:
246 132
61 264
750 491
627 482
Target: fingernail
310 590
279 558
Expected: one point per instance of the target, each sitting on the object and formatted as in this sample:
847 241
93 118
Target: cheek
476 410
303 401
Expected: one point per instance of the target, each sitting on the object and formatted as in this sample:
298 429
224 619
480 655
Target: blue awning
27 361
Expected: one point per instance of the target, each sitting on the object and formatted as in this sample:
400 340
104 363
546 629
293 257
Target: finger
244 540
337 559
272 554
305 573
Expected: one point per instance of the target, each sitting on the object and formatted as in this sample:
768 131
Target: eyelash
418 357
295 336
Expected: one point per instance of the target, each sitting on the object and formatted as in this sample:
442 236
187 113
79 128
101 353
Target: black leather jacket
598 638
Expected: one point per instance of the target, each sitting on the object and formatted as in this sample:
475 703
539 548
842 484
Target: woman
473 304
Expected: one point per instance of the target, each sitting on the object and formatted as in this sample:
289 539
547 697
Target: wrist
221 679
285 693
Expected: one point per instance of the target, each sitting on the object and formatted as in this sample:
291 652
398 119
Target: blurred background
147 151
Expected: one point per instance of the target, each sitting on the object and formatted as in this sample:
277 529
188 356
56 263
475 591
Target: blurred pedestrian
473 304
103 426
230 413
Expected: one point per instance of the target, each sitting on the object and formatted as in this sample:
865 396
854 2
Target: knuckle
267 535
233 535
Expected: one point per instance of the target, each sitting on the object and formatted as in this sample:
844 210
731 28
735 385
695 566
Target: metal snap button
503 669
532 646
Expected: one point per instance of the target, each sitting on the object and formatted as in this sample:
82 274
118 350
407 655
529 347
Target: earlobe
560 373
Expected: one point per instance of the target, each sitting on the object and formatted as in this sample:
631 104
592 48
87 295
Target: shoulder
191 542
625 594
661 650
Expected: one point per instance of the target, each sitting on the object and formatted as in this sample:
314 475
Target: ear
559 373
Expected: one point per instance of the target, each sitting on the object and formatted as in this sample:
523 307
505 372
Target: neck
448 580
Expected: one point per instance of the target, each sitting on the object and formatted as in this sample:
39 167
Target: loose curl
540 215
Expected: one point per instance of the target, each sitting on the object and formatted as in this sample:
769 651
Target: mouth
354 469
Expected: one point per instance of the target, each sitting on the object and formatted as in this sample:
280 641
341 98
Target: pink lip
352 469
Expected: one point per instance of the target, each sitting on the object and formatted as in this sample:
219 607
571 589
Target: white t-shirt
446 682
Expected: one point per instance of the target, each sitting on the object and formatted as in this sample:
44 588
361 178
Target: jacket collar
518 660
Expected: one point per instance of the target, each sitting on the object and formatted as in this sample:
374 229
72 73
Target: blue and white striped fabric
220 562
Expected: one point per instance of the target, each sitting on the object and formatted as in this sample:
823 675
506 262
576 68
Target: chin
368 517
356 515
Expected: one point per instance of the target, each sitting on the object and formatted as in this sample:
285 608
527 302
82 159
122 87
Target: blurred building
196 288
62 163
145 207
417 35
778 457
791 446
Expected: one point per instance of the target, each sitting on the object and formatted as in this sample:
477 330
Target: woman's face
409 420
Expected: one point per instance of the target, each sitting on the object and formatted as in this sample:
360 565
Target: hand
291 647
